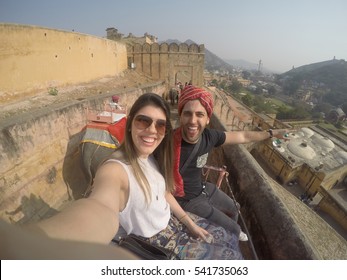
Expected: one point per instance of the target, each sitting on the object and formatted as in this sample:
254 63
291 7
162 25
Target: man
193 142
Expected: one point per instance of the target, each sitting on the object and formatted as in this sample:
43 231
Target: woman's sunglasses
142 122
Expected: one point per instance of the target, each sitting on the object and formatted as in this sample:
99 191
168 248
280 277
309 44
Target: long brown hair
163 153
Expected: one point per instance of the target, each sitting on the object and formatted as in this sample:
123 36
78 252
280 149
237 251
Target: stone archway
184 75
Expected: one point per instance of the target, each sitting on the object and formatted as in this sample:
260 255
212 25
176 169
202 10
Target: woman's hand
184 218
199 232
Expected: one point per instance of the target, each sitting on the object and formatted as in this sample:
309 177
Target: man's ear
208 121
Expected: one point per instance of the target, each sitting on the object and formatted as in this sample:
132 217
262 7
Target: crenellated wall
34 58
169 62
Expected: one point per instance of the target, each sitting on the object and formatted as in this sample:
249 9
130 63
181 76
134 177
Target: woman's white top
141 218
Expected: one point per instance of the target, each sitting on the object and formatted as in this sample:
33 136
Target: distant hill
328 77
212 61
240 63
338 66
169 41
246 65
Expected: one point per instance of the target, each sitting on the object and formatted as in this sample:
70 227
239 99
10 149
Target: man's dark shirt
192 174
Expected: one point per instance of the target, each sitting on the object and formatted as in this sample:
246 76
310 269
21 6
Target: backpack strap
193 153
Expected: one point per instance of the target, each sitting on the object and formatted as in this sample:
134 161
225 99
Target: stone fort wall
169 62
33 58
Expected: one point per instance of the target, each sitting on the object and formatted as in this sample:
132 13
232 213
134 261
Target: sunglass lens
142 122
160 126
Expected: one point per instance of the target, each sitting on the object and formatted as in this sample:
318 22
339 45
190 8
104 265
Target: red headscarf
191 93
206 100
179 189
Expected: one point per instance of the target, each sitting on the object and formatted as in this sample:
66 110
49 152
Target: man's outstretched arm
242 137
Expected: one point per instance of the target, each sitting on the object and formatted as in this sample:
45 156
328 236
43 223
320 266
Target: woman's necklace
151 174
156 184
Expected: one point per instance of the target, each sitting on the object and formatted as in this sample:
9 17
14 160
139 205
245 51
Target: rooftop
318 151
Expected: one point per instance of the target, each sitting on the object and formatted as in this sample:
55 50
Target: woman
133 188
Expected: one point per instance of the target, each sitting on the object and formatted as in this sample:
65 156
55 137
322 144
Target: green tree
339 125
272 90
222 84
214 83
261 105
299 112
283 113
335 98
322 107
247 100
259 90
236 86
344 107
292 85
246 75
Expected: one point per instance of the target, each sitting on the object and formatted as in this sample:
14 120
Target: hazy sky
280 33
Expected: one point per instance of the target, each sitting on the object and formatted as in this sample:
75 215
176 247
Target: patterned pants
176 237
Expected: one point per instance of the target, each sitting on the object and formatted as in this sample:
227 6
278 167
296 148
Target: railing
223 173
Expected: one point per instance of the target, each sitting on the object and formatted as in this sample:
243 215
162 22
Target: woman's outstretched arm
92 219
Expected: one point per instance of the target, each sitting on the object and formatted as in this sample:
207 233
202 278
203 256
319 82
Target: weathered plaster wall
39 160
34 58
331 206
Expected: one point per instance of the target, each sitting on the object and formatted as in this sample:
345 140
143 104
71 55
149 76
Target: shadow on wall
33 208
72 172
